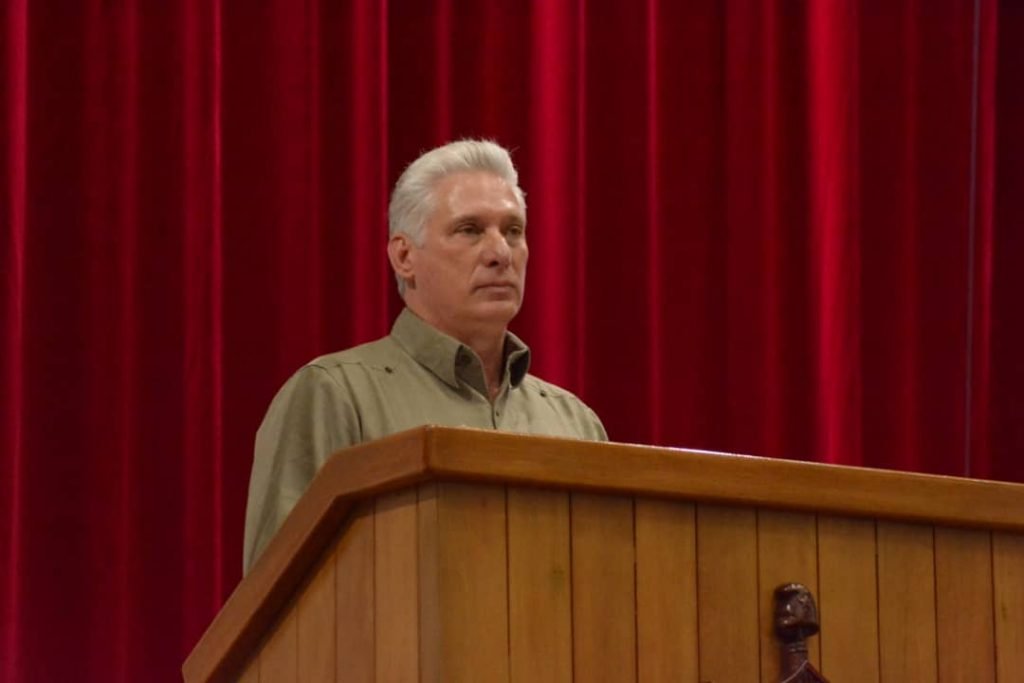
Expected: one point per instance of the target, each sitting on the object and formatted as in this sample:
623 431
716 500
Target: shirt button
497 413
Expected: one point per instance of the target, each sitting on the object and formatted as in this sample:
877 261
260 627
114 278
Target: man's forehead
478 180
477 191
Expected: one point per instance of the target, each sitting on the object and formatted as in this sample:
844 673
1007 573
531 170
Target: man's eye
515 231
469 229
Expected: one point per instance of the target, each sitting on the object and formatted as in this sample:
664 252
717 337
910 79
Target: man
457 244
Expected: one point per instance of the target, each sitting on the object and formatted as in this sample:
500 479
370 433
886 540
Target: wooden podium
461 555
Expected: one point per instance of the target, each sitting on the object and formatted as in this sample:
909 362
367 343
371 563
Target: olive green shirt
415 376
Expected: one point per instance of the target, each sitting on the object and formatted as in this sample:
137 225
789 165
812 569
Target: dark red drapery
787 229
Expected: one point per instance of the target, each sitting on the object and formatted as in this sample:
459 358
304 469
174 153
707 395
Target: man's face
468 274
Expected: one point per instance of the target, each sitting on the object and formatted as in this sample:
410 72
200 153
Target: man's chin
498 311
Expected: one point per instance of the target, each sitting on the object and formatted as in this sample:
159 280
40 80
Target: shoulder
567 403
338 376
377 355
325 396
536 385
554 393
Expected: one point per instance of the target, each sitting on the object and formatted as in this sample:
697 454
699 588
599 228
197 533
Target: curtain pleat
786 229
13 233
1001 423
200 309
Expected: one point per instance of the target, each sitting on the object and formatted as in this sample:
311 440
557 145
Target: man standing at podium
457 244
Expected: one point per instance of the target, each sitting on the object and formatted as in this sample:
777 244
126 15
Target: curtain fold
1001 212
13 204
784 229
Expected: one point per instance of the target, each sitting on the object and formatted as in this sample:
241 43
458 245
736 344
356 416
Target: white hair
413 199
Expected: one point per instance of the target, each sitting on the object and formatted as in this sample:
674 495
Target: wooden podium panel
540 593
461 555
666 590
906 595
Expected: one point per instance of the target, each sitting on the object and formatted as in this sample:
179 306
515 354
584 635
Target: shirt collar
446 356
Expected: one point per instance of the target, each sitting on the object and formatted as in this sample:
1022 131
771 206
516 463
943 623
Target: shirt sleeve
310 418
595 428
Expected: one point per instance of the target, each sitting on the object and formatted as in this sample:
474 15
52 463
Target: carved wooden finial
796 619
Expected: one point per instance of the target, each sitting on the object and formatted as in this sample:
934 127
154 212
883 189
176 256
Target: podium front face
462 582
494 580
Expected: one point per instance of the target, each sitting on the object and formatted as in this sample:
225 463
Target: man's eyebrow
465 218
475 216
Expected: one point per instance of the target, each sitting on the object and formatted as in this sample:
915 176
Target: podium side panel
1008 575
848 599
787 552
279 658
315 617
396 626
1008 583
251 674
472 583
906 602
666 592
963 579
727 593
540 592
603 588
354 591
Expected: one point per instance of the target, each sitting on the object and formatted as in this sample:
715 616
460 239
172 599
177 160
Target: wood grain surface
604 618
472 583
316 614
251 674
435 454
906 602
727 593
540 591
847 600
431 454
354 599
963 579
666 592
279 659
396 581
1008 583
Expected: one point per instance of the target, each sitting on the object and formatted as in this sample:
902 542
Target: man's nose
496 251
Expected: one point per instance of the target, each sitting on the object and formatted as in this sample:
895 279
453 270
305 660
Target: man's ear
400 255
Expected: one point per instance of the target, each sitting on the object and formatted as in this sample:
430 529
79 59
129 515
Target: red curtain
779 228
